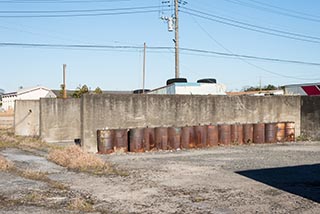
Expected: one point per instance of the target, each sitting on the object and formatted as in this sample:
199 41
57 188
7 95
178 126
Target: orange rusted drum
237 134
213 136
290 131
121 140
271 132
105 140
174 137
161 136
200 136
281 132
187 137
136 140
149 142
259 133
224 134
247 133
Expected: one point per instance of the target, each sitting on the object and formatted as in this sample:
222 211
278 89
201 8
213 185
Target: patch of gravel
210 180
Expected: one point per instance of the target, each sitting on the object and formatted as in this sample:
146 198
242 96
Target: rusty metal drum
213 136
174 137
258 133
136 140
247 133
200 136
105 139
186 137
281 134
224 134
290 131
237 134
149 142
161 137
121 140
271 132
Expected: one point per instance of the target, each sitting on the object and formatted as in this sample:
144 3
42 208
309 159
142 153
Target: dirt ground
279 178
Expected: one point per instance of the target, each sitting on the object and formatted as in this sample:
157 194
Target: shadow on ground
299 180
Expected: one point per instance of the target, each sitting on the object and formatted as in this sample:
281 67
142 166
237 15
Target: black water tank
141 91
207 80
171 81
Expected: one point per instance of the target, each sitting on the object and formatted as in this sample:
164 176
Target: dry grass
8 139
80 204
75 158
5 164
34 175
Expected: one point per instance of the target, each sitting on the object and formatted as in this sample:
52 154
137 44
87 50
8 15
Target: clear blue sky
121 69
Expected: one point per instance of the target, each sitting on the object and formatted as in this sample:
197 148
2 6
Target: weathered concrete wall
60 119
129 111
310 117
27 117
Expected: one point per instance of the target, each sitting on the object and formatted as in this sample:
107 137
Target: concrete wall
310 117
60 119
129 111
6 122
26 120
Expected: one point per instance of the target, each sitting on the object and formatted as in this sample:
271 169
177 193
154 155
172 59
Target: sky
101 41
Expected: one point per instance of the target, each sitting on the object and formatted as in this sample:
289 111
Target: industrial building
307 89
201 87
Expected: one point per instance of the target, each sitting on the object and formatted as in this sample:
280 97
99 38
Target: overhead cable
256 28
139 48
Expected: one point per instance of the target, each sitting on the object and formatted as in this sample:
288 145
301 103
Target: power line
76 11
82 14
275 10
285 9
59 2
256 28
139 48
248 57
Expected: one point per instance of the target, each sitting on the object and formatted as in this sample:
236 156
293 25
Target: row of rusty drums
172 138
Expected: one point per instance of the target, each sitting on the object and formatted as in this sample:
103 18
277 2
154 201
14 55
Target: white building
33 93
191 89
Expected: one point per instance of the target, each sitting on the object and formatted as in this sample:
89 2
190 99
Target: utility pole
144 67
64 82
176 14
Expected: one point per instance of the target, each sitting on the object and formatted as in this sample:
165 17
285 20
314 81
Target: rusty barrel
149 142
290 131
161 137
237 133
121 140
224 134
213 136
271 132
136 140
200 136
187 140
174 137
105 141
281 132
247 133
259 133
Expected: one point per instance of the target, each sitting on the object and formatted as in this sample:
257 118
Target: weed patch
5 164
74 158
80 204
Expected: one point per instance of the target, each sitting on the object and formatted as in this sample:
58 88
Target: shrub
75 158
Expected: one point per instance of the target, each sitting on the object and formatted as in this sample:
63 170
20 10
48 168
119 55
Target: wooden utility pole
177 67
64 82
144 67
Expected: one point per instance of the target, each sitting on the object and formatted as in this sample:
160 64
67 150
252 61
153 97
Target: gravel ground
279 178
